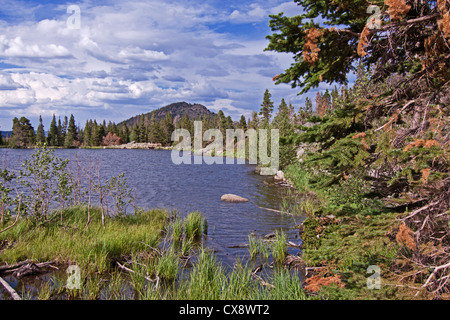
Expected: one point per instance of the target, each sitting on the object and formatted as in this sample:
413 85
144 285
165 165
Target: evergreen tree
305 112
242 123
155 133
282 121
71 135
87 133
135 134
23 133
62 131
99 134
229 123
52 137
266 109
221 122
40 133
385 138
143 129
125 133
167 128
254 122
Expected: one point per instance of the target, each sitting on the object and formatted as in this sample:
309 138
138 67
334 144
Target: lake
158 183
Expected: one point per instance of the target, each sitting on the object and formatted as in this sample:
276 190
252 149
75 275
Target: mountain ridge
177 110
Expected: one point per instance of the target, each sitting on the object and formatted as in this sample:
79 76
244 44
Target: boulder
279 176
233 198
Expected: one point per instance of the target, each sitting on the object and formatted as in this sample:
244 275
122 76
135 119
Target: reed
194 225
279 249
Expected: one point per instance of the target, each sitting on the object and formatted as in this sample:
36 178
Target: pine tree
254 122
87 133
94 129
52 137
143 129
242 123
40 133
383 145
229 123
125 133
23 133
282 121
304 112
167 128
99 134
155 132
71 135
266 109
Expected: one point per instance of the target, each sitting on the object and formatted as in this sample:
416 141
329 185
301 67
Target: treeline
67 133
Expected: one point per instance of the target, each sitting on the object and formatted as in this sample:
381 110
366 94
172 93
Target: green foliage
23 134
7 204
279 249
121 195
194 225
266 110
40 133
46 178
352 196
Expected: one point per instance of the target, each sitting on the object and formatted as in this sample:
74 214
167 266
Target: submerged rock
233 198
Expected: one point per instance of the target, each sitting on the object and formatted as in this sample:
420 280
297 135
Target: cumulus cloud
134 56
7 83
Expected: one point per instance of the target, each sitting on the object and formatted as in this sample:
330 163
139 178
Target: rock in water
233 198
279 176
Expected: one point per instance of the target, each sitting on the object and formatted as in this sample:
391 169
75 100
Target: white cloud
130 57
142 54
17 48
7 83
254 13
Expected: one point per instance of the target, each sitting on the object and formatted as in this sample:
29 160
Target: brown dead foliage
422 143
397 8
310 49
444 23
362 136
315 283
363 42
112 140
425 175
405 236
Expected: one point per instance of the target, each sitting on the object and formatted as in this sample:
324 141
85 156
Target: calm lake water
158 183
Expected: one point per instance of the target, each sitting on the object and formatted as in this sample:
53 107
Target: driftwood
13 266
277 211
121 266
241 246
13 293
25 268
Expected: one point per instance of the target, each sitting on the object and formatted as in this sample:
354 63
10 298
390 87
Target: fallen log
13 266
13 293
26 268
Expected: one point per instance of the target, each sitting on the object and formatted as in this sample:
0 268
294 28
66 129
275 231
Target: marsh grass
168 266
257 246
194 225
209 280
93 248
279 248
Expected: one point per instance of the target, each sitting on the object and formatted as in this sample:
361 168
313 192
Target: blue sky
130 57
